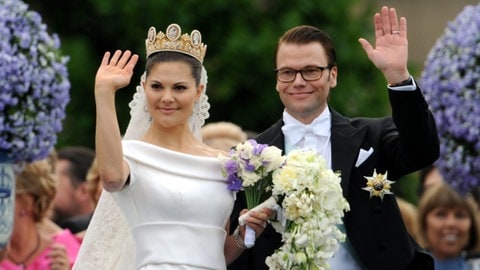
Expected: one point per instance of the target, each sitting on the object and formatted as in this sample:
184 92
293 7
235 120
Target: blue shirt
458 263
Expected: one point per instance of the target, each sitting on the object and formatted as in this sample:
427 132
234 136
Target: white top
176 206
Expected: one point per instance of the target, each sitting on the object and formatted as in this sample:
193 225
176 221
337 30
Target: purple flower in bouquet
230 169
34 84
249 166
451 81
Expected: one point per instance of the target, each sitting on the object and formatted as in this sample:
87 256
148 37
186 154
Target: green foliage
241 37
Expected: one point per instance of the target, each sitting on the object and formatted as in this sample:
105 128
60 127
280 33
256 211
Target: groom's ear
333 76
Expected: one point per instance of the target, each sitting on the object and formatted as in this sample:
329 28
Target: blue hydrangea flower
34 84
451 81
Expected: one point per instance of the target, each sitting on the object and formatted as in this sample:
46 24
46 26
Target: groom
306 72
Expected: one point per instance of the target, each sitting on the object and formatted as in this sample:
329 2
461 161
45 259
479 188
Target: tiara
173 40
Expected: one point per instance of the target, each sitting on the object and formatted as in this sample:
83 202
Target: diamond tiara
173 40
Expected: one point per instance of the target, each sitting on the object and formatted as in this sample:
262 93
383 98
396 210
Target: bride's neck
176 139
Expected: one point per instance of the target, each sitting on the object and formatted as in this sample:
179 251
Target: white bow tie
295 132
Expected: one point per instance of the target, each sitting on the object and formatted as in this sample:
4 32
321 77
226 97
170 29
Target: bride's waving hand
114 73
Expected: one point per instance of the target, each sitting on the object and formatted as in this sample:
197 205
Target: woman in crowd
31 247
448 227
46 225
167 183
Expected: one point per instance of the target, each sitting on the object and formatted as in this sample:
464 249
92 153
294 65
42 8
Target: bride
167 205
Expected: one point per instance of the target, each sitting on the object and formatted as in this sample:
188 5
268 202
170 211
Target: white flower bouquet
312 205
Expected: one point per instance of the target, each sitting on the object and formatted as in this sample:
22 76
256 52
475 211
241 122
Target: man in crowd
73 205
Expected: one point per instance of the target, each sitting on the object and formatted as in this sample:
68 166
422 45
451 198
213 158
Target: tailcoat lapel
273 136
346 142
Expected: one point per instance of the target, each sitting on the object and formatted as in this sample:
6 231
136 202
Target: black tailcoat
403 143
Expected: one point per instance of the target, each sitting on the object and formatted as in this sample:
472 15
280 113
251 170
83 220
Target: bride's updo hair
169 56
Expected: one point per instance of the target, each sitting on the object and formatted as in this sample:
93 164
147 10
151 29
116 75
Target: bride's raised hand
116 71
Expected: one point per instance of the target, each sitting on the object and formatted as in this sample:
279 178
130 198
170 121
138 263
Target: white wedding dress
176 207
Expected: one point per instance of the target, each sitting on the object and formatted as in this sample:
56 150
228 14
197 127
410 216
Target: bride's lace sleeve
108 242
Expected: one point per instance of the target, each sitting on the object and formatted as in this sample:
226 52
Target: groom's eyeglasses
311 73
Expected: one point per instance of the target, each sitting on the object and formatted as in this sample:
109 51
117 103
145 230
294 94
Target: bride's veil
108 243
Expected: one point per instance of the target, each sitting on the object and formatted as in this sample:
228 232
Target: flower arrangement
313 205
249 167
451 81
34 84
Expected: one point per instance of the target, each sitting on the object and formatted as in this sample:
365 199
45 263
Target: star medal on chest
378 185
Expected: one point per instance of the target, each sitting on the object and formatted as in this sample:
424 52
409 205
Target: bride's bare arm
114 73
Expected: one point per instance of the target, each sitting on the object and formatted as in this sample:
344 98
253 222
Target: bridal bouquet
312 205
249 167
34 84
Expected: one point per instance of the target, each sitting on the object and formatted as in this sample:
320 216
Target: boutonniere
378 185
